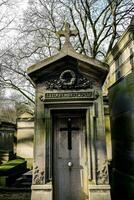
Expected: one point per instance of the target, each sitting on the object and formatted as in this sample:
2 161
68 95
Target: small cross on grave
67 32
69 129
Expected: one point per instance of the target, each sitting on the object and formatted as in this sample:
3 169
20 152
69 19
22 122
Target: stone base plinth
41 192
96 192
99 192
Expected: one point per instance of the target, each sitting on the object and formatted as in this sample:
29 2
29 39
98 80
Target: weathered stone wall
121 98
121 58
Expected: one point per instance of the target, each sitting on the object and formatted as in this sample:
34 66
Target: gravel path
15 195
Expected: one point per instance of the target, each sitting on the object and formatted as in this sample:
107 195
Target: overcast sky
7 13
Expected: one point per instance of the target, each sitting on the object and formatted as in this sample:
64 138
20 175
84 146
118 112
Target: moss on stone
11 170
12 166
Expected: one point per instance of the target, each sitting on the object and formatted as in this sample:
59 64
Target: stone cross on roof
67 32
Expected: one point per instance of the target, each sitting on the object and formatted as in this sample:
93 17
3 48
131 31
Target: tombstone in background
25 133
7 130
69 147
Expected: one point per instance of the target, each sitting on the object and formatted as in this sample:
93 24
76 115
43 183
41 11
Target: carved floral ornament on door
68 79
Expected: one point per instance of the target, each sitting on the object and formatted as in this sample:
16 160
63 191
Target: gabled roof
7 111
68 50
24 111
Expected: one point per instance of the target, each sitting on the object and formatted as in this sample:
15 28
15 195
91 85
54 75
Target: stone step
27 175
24 181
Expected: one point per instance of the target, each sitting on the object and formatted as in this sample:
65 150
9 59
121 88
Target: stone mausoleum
70 161
7 130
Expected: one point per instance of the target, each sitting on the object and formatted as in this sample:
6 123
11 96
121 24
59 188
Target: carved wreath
68 81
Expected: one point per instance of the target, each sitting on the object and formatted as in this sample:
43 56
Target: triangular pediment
26 115
86 64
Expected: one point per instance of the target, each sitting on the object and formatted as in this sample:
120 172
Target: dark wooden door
69 156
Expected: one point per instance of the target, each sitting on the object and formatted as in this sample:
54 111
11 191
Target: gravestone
25 133
69 146
7 130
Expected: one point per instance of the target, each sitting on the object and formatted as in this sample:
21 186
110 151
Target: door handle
70 164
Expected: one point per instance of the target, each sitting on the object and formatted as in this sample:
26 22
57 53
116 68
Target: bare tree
99 24
12 67
13 75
